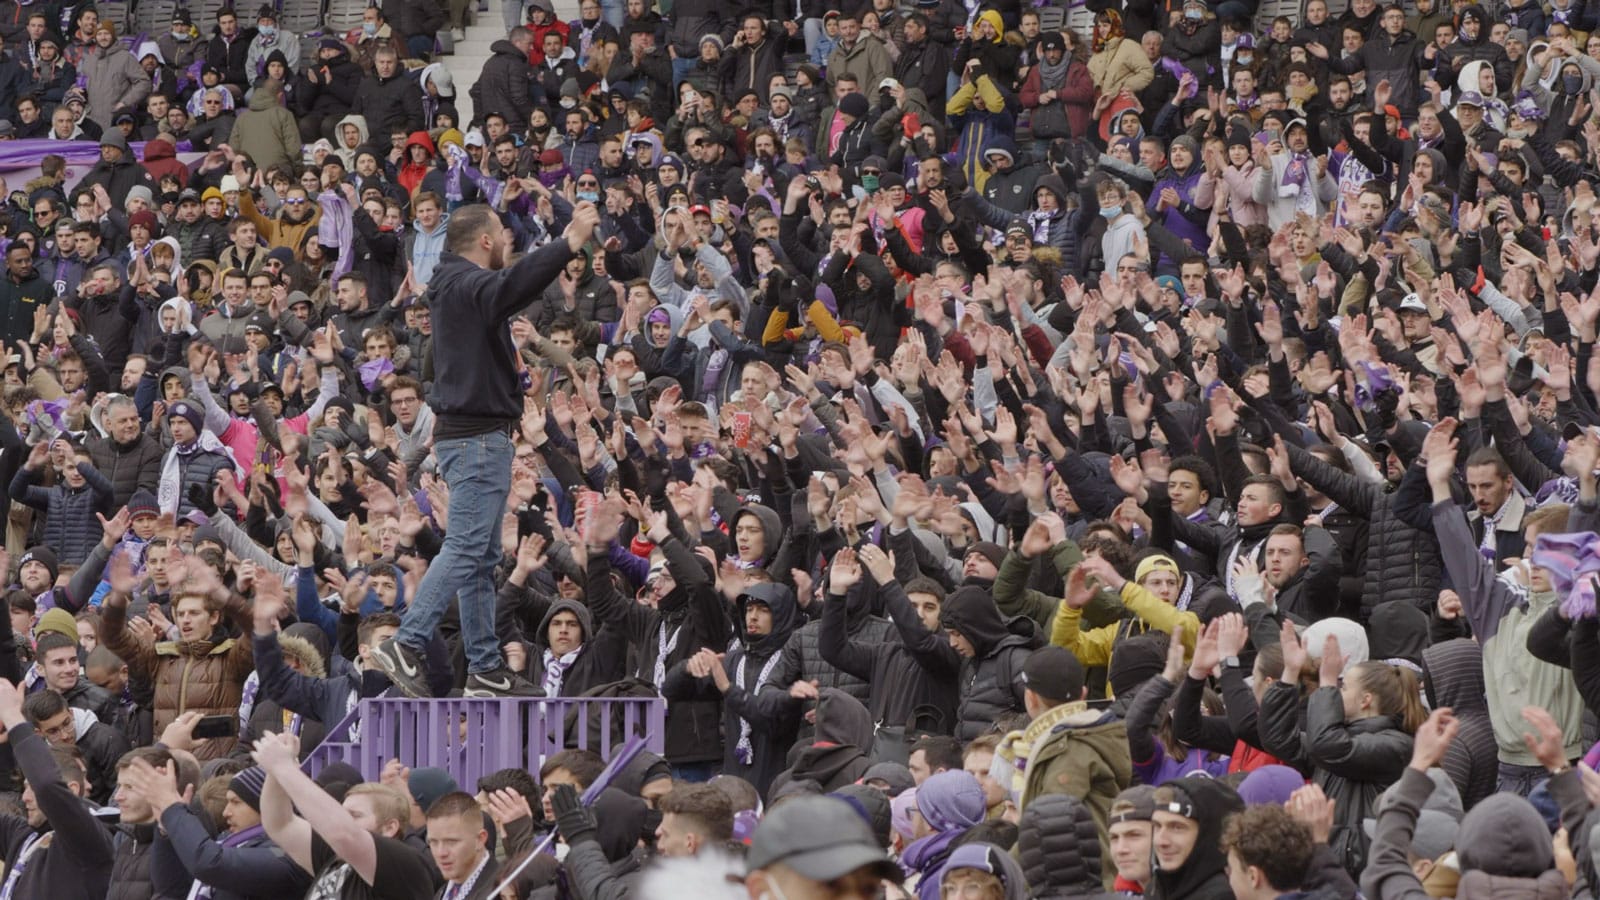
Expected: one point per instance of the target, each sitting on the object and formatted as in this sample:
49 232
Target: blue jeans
420 45
478 470
697 773
680 68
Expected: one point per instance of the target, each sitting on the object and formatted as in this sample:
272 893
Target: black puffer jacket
130 864
128 467
991 687
389 104
689 619
1402 562
1353 760
1058 845
1462 51
503 85
770 741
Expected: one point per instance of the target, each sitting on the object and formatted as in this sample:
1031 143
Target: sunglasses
700 143
294 201
588 184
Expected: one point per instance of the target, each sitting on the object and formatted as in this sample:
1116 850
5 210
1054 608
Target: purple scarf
928 856
336 229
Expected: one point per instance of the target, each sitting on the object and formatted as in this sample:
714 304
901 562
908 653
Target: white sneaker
458 34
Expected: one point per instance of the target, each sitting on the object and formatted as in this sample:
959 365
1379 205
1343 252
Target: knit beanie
47 558
59 621
248 785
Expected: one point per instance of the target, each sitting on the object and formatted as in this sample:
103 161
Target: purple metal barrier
471 738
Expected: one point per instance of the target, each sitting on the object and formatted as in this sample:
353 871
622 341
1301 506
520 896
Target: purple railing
471 738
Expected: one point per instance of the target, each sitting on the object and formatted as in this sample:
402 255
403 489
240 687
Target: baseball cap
1053 673
1413 303
821 838
1470 98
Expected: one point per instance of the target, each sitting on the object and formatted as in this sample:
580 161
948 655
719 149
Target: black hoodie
601 659
1204 874
839 755
990 687
755 656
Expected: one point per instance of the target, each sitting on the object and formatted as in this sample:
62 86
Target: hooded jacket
1462 51
334 91
1503 847
503 86
951 802
688 619
987 857
1204 874
601 657
363 132
990 687
755 656
1074 750
115 82
412 173
267 132
205 675
839 755
1453 677
160 160
1012 190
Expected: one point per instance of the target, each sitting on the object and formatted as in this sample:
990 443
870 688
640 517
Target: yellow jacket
1093 647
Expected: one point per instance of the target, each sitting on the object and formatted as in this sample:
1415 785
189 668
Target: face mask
869 183
180 35
369 28
1193 14
1243 60
569 102
589 196
1111 212
1573 83
267 31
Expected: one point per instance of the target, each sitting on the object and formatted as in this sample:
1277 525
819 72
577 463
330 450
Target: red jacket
160 160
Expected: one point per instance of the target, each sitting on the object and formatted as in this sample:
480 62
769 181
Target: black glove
573 819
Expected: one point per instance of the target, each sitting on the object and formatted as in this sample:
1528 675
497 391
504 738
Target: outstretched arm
291 833
278 754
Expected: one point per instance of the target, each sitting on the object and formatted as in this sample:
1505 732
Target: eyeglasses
44 212
403 401
212 102
294 201
871 172
588 184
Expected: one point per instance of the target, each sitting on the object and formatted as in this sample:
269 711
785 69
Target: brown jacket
206 676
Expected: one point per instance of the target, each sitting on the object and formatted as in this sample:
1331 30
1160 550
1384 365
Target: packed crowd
1161 459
